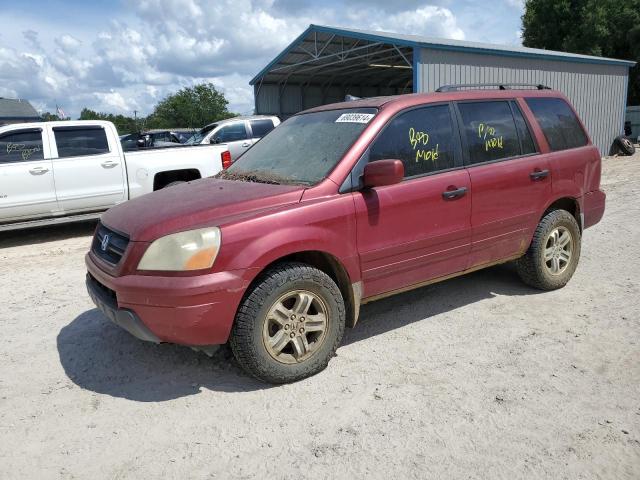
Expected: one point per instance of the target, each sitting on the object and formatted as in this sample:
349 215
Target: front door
511 181
89 173
27 187
419 229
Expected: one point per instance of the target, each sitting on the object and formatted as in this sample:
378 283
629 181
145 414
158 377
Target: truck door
26 176
236 136
88 168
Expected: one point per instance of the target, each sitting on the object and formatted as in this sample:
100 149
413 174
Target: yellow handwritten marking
432 154
493 141
417 137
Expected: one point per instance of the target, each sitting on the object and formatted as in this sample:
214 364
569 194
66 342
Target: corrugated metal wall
597 91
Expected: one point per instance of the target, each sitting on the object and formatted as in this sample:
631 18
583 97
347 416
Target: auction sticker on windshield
354 118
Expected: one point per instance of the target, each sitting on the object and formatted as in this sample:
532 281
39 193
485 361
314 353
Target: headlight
192 250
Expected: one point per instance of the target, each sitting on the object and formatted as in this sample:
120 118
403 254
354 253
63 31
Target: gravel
477 377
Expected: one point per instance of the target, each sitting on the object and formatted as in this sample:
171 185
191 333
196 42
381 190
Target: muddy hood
206 202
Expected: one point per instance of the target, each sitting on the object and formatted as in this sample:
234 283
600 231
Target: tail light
226 159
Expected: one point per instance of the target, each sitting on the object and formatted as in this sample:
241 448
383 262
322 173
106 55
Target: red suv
344 204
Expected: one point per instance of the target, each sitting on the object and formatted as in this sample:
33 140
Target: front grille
113 248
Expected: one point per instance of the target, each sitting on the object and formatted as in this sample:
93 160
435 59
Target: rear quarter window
259 128
80 141
559 124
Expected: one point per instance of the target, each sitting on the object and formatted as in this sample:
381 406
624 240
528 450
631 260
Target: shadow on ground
422 303
103 358
51 233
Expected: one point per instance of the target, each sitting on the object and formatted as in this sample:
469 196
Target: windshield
199 136
303 149
195 138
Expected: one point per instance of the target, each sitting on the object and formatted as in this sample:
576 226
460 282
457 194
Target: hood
205 202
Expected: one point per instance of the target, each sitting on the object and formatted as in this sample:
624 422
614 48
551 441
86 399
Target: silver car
238 133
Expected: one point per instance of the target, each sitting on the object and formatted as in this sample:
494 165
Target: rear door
418 229
88 168
27 186
511 181
236 136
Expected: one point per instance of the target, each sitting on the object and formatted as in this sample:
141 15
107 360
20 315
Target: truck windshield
303 149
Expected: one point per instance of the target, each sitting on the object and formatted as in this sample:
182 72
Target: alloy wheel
558 250
295 326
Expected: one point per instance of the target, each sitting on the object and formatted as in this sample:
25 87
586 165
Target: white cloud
154 47
68 43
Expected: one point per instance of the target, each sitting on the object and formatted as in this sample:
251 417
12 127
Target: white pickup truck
55 172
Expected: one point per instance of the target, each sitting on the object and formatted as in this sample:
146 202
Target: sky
119 56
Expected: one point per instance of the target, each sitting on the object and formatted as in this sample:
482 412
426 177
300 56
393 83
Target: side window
80 141
259 128
526 140
421 138
21 146
232 133
558 123
490 131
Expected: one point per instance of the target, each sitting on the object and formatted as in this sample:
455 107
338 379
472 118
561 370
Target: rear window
490 131
80 141
559 124
259 128
21 146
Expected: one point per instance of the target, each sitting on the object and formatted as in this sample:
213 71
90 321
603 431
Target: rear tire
553 255
624 145
289 325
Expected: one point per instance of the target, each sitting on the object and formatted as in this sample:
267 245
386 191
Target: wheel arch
332 266
570 204
164 178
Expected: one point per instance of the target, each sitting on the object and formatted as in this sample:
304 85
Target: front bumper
124 318
187 310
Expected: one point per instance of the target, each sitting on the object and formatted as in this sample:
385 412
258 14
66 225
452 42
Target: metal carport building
324 64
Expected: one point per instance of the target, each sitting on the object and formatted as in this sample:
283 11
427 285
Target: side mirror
383 172
214 140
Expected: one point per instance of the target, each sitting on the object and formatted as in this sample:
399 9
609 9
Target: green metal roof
416 41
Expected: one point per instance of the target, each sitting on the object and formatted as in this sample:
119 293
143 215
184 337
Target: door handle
246 144
453 194
109 164
38 170
539 174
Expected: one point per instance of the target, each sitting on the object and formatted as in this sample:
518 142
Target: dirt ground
478 377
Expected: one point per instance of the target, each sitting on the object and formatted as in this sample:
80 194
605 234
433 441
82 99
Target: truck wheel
624 145
553 254
289 325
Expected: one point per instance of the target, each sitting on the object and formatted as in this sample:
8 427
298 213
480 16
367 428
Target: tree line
606 28
190 107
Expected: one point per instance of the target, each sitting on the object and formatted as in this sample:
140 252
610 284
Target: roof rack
499 86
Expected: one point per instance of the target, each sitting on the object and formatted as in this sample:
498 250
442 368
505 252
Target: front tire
553 255
289 325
